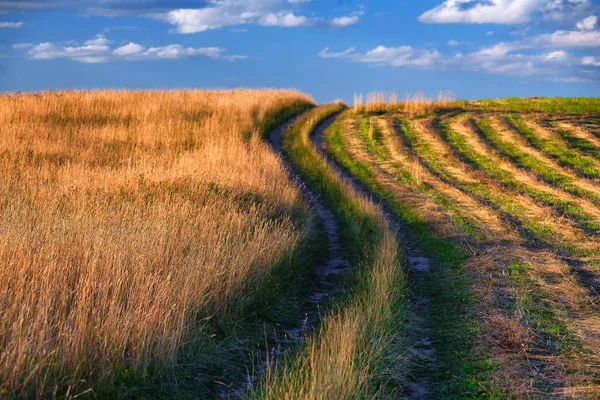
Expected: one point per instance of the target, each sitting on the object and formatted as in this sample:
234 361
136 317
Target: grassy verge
460 371
359 350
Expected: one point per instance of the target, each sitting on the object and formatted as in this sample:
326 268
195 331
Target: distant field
179 245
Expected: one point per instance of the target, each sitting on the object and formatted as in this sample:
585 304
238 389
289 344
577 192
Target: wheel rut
419 266
324 288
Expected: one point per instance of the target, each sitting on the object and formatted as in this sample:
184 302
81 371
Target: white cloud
571 79
222 13
128 50
593 61
505 12
588 24
521 58
342 54
4 24
98 50
453 43
402 56
560 55
343 22
288 20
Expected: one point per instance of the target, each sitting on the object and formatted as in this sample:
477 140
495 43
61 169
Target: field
137 231
171 244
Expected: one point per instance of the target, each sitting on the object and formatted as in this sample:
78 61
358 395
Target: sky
330 49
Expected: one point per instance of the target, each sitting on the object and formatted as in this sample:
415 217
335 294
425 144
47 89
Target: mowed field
167 245
503 198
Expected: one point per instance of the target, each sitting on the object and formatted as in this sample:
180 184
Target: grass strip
586 166
370 135
487 193
485 164
575 142
461 371
525 160
359 350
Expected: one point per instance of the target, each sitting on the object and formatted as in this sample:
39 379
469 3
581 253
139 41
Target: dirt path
324 288
419 266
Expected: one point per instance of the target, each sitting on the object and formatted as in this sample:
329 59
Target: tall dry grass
360 349
126 218
414 104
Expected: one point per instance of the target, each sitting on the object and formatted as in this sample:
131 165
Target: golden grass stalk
126 218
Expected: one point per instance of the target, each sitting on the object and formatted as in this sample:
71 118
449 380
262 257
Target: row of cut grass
535 303
557 149
487 192
370 134
539 104
490 170
460 371
530 162
580 144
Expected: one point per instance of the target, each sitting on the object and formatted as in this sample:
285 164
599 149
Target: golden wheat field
128 217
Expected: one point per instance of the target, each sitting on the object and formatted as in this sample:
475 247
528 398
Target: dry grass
358 351
414 104
128 217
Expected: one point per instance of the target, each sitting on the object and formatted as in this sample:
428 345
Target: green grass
461 373
584 165
489 167
547 104
574 142
364 333
532 301
487 193
374 145
544 172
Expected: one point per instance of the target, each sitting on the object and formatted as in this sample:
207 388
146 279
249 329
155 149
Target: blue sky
328 48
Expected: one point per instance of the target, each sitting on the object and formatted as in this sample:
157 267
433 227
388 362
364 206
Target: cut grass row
551 144
460 370
537 220
359 350
538 294
518 153
488 165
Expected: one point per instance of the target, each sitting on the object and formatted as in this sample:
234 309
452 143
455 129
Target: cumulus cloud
545 55
592 61
104 7
505 12
222 13
192 16
343 22
99 50
4 24
286 20
588 24
402 56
